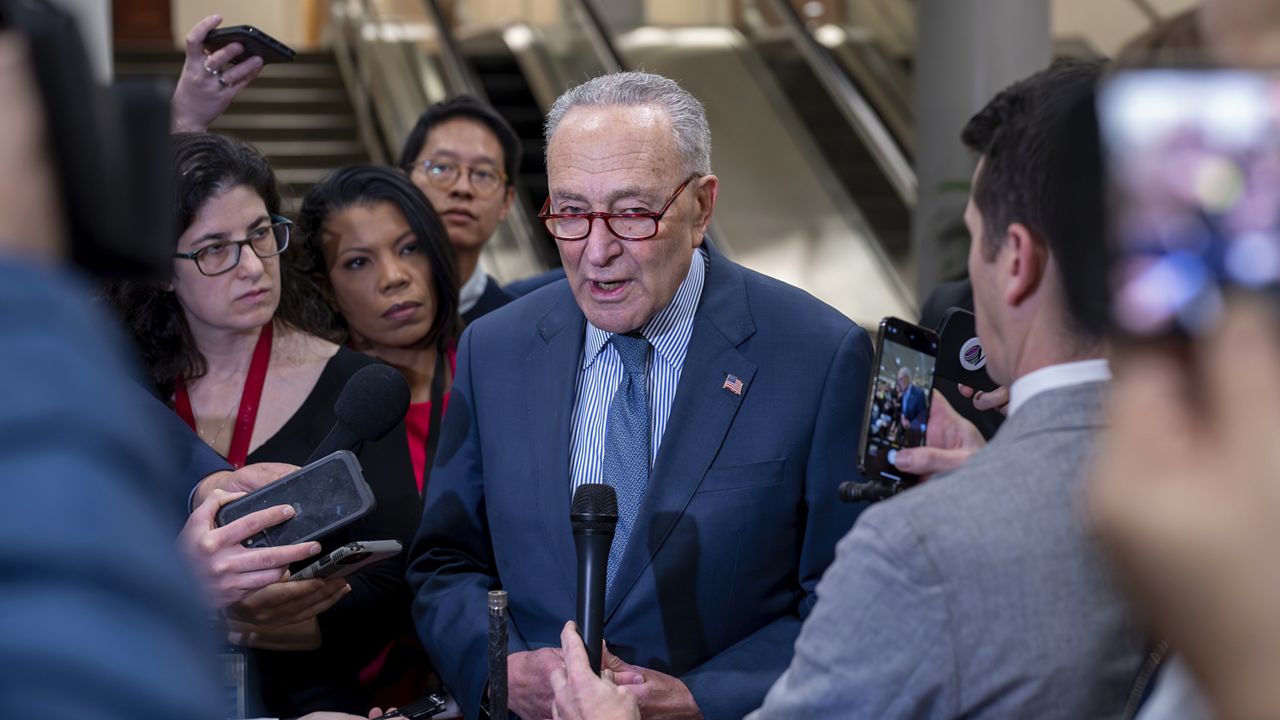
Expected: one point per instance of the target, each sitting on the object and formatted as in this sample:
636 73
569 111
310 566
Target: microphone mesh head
373 402
595 507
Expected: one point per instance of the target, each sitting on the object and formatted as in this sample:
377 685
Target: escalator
504 84
853 164
803 196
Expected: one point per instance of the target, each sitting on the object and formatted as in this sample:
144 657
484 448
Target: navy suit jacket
913 405
739 522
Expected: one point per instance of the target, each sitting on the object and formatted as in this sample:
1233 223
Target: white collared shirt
471 290
1054 377
601 371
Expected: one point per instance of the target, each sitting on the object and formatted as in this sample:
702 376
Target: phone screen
898 403
1193 160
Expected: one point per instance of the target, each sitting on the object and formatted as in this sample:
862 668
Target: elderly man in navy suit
722 405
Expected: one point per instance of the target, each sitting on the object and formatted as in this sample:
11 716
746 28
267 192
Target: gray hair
688 119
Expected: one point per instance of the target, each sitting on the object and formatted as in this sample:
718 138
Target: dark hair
205 165
365 185
464 106
1015 134
1041 168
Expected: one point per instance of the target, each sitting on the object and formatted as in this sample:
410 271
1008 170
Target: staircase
297 114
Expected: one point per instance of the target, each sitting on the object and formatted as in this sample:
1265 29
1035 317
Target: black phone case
326 495
961 356
255 42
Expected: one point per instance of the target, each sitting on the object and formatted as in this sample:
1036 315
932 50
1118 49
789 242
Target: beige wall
1107 24
289 21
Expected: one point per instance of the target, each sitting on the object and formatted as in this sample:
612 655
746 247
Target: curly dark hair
205 165
365 185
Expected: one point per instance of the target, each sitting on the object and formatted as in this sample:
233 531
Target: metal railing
864 120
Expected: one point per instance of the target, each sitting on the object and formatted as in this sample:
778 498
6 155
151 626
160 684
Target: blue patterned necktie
626 442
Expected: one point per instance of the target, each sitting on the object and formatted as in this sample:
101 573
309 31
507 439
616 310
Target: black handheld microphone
594 516
856 491
373 401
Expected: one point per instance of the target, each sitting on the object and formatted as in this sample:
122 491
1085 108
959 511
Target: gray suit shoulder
1038 628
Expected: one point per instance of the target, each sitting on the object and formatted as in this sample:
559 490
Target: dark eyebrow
365 248
221 236
451 155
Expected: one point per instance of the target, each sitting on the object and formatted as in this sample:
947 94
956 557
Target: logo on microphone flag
733 384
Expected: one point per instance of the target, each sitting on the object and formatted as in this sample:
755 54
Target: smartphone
961 356
426 707
1193 168
897 410
326 495
254 42
349 559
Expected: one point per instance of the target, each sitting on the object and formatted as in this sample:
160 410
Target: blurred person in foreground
1186 492
721 404
97 617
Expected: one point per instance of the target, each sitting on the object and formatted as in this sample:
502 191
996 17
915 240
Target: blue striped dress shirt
601 372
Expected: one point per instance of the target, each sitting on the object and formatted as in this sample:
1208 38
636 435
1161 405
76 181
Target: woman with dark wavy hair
233 342
382 258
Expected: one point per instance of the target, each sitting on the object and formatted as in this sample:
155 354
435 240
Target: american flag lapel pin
733 384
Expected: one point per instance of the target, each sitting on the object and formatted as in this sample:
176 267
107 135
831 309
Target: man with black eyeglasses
722 406
463 156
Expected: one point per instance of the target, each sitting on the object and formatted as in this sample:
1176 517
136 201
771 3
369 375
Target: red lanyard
249 397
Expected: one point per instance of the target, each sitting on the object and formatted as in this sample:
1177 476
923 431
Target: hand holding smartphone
254 42
326 495
349 559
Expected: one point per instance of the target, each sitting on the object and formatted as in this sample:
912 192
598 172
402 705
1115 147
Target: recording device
372 402
326 495
594 515
897 412
254 42
1193 168
426 707
961 355
349 559
497 655
109 146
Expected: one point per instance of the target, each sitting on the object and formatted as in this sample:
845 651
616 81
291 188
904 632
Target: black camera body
109 146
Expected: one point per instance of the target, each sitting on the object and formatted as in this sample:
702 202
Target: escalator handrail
853 105
598 35
459 74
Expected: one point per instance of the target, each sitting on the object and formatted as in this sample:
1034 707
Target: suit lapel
701 414
551 372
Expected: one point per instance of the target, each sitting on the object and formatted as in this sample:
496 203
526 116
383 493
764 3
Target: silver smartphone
349 559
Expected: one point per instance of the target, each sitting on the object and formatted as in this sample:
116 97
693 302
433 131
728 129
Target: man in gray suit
980 594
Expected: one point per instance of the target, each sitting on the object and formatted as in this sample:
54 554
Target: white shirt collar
1054 377
471 290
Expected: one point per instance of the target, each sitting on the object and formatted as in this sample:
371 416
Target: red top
417 424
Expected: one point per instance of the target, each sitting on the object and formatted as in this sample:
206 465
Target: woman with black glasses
233 341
